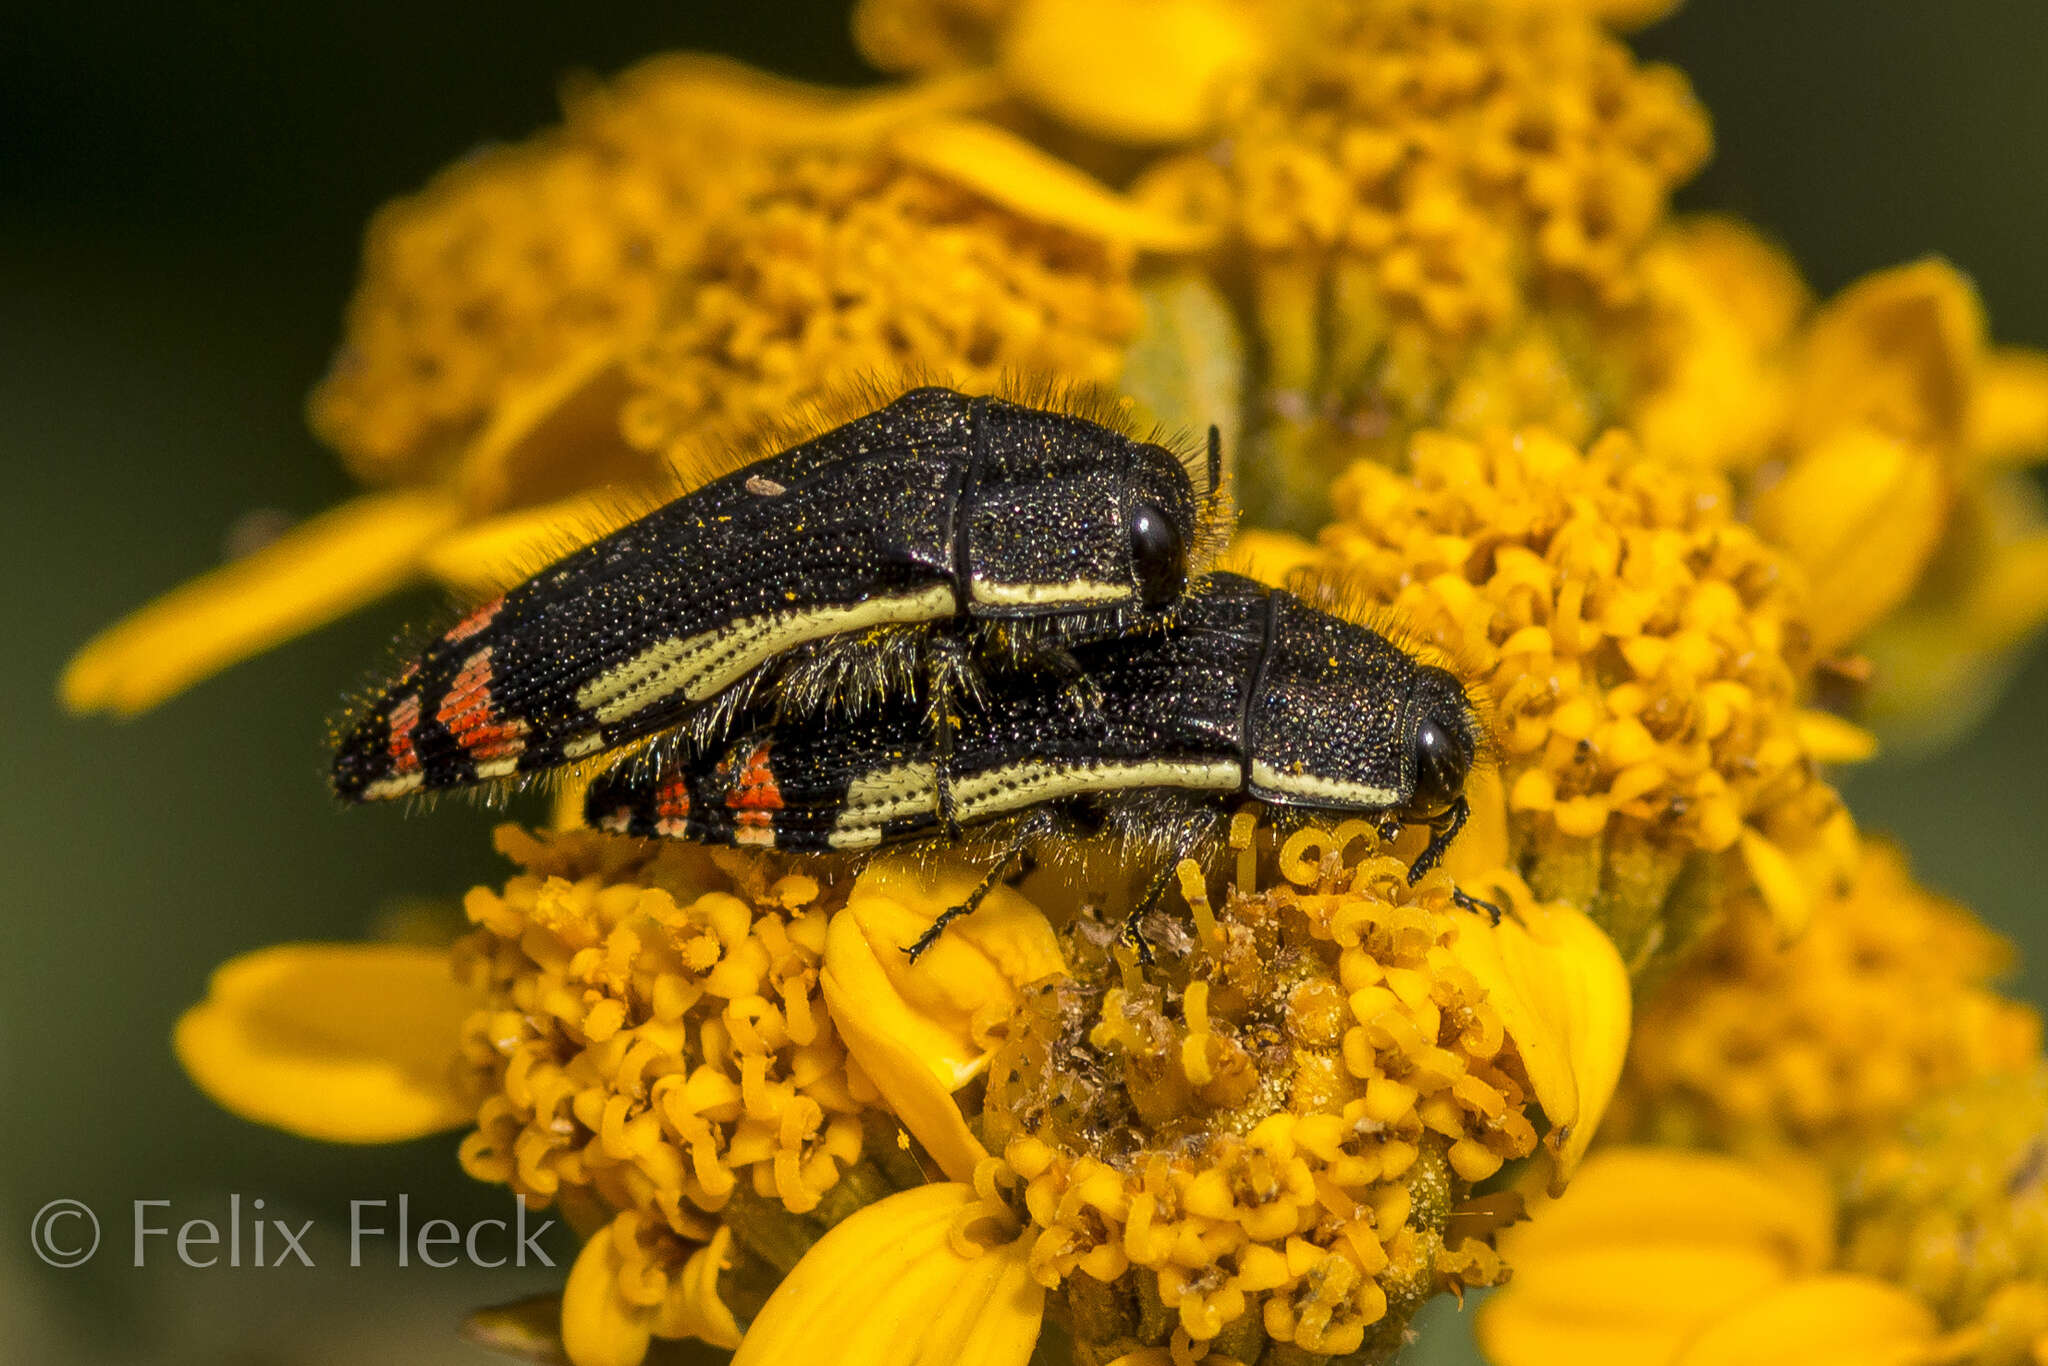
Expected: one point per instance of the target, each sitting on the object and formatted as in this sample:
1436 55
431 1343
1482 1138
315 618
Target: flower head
1824 1043
1954 1206
870 264
1272 1134
1646 655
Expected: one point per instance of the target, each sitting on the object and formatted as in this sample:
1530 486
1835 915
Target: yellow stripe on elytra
1035 594
1331 791
699 666
908 790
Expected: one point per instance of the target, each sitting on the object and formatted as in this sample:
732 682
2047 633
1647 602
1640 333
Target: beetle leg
1464 899
1443 828
1030 830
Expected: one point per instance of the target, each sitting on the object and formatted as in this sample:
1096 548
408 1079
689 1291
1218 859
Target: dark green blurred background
181 195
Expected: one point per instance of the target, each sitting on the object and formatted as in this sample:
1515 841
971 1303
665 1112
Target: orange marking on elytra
671 807
467 714
756 789
475 621
404 717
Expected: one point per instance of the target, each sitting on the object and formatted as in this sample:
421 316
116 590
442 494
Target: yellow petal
1862 512
1139 71
352 1043
703 90
893 1286
1820 1321
2009 409
1828 739
319 570
1898 351
1011 172
694 1308
1563 996
599 1327
487 557
1647 1247
911 1060
1777 879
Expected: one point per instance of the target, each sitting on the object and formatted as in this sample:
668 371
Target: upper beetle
933 507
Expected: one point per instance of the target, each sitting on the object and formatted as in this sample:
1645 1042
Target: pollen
1828 1042
1646 658
1269 1133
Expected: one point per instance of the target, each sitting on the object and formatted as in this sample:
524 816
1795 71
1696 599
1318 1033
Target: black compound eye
1441 763
1157 555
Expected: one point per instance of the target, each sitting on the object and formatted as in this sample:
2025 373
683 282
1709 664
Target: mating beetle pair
950 612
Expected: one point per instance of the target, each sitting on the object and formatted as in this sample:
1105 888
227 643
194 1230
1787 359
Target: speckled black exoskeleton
1040 529
1241 691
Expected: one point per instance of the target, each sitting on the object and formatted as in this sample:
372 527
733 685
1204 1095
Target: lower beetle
1244 691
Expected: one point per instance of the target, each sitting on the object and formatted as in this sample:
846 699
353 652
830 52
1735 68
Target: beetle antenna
1215 457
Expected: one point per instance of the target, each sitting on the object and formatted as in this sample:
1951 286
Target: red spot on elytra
405 716
671 804
467 714
756 789
475 621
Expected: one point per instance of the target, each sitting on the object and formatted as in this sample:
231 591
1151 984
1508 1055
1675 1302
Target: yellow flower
1877 438
1646 654
1825 1043
1435 202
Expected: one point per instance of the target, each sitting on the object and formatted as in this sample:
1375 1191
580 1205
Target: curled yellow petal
1649 1246
1820 1321
948 1006
599 1327
554 434
694 1308
1010 171
1897 351
1862 512
916 1048
317 571
1563 996
897 1285
352 1043
1137 71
